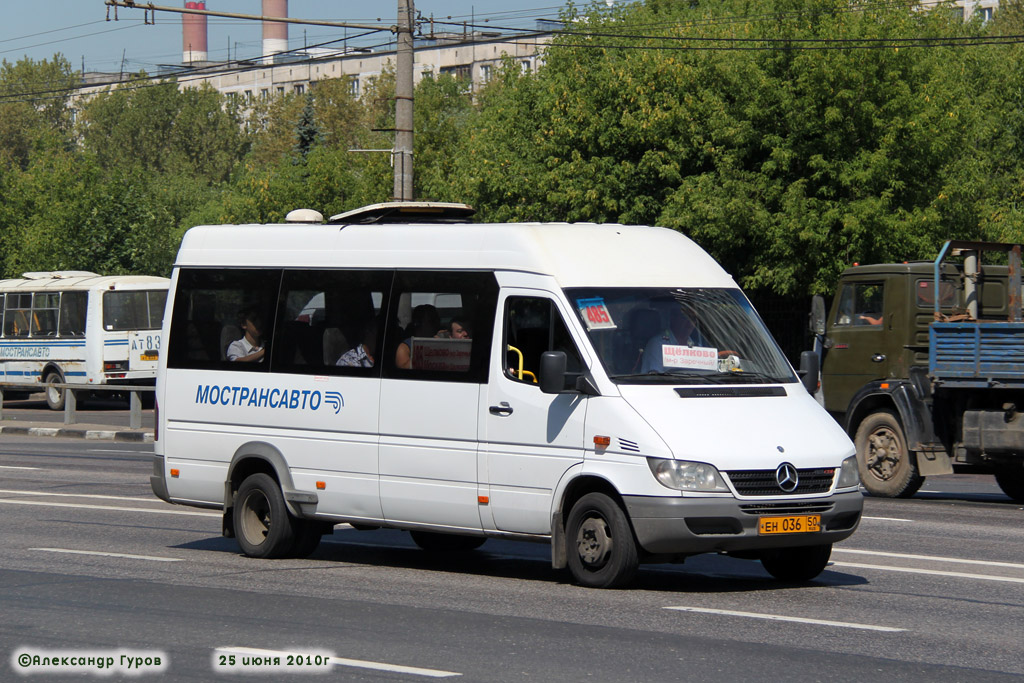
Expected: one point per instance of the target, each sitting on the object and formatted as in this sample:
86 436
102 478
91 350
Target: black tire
887 467
600 545
797 564
446 542
263 526
1010 477
307 537
54 397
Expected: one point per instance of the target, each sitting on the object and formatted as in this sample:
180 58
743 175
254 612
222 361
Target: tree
33 106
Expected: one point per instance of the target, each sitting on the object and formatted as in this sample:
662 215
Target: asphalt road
929 589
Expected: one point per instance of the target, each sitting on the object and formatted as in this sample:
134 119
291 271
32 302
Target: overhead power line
150 7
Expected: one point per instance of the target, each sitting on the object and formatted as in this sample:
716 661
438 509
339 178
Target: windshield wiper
659 374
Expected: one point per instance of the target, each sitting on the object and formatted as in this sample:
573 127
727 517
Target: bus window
44 314
210 312
324 314
17 310
133 310
72 314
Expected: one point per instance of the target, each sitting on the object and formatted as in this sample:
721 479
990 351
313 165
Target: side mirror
552 372
818 314
809 371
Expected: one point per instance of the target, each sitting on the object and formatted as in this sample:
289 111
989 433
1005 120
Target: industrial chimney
275 33
193 31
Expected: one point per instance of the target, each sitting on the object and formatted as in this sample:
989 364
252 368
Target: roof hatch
406 212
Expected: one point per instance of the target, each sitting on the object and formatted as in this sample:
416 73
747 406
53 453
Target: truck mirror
818 314
809 371
552 372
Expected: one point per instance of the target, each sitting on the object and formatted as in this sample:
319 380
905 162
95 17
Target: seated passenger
458 328
681 332
250 347
426 322
361 355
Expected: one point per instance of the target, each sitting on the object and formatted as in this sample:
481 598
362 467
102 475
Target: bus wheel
1010 477
263 526
54 396
887 468
446 542
797 564
601 548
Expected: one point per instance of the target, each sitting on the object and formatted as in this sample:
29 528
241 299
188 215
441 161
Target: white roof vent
304 216
407 212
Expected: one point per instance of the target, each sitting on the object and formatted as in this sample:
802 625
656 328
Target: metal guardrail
71 402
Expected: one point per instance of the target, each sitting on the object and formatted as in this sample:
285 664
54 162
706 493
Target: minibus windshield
679 335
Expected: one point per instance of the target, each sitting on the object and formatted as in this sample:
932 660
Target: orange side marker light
175 472
483 500
321 485
602 441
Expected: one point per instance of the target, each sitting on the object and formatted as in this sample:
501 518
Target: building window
248 95
280 90
264 93
461 72
299 89
486 73
524 66
353 87
985 13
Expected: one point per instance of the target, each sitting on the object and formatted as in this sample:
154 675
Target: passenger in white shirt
250 347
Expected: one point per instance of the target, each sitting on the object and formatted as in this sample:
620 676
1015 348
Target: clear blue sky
77 28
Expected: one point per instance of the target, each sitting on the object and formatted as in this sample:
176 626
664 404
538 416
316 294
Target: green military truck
923 365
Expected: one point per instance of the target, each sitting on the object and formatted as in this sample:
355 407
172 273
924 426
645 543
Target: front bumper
688 526
158 481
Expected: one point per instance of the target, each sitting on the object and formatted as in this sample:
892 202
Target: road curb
72 433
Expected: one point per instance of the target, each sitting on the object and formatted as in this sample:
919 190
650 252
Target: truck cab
918 368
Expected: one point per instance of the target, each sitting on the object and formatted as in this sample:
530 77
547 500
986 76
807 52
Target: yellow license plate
150 355
800 524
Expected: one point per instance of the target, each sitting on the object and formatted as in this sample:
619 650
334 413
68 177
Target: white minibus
606 389
77 326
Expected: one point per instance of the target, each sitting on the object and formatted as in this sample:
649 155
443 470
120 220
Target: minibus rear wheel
54 396
435 542
263 526
797 564
601 548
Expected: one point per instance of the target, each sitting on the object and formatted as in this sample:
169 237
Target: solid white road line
929 558
930 572
779 617
151 499
150 558
341 661
888 519
114 508
15 467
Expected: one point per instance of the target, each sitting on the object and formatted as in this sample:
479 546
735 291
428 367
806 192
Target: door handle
502 409
878 357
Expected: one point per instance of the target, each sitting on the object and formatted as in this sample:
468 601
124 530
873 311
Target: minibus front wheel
263 526
601 549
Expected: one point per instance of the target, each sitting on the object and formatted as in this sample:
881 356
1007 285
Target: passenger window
532 326
72 313
860 303
330 322
17 313
223 319
926 294
44 314
439 326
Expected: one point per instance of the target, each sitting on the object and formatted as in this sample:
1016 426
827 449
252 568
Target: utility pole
402 155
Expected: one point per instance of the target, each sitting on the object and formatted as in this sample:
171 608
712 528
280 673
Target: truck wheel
1010 478
54 396
797 564
601 548
306 539
887 468
263 526
443 543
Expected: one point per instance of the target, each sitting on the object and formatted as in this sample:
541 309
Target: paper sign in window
690 357
429 353
595 314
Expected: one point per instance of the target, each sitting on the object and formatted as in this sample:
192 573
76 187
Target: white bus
80 327
462 382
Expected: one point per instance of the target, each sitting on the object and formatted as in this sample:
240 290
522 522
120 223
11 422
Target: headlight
686 476
848 474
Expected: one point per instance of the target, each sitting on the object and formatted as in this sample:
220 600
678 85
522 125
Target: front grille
786 508
764 483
